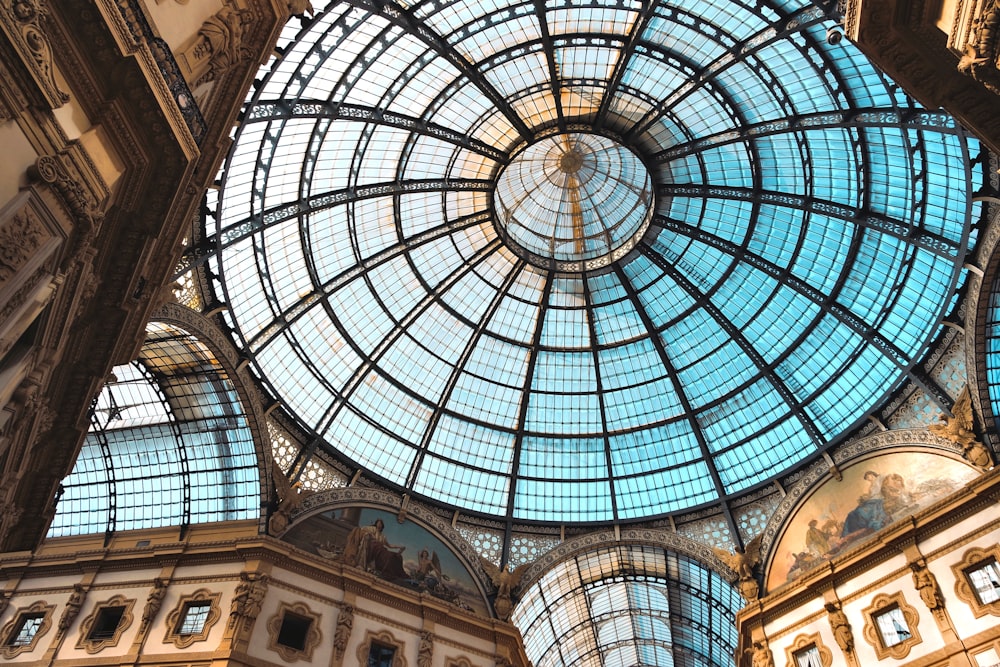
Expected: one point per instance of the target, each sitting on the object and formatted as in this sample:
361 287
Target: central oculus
573 202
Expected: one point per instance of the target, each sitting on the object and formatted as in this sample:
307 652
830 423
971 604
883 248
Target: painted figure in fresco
428 572
368 548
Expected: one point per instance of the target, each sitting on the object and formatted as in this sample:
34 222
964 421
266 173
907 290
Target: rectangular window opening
294 630
25 629
193 619
808 657
106 624
892 627
985 580
380 655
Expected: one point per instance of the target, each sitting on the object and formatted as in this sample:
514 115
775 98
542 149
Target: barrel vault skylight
582 262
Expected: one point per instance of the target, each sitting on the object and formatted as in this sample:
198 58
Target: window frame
177 614
93 645
385 638
312 638
884 603
803 643
964 589
38 609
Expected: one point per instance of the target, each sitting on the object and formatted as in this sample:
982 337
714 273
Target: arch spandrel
878 481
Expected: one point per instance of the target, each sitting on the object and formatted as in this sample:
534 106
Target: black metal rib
522 413
702 76
269 110
668 365
736 335
822 120
624 58
920 238
594 346
550 59
237 231
402 17
825 302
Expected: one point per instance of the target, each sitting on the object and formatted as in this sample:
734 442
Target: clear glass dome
806 229
573 202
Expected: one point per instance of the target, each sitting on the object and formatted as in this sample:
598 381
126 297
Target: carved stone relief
22 22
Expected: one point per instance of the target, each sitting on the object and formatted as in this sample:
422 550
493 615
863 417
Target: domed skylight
583 262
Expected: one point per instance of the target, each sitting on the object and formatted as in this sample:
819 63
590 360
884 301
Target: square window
892 627
808 657
380 655
193 617
985 580
25 630
294 631
106 623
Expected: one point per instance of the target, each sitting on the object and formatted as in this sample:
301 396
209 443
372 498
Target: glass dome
593 262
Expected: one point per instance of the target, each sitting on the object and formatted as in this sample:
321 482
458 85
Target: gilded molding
883 603
379 498
9 651
176 617
963 588
386 639
21 21
311 640
803 642
843 456
95 645
584 543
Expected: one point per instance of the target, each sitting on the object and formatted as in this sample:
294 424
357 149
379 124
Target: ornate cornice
23 23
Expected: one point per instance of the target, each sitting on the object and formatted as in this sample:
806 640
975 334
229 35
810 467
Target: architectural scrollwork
982 50
958 429
84 206
22 21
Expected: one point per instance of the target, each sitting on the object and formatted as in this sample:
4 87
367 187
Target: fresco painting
403 553
873 494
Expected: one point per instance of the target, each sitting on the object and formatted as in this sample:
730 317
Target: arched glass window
629 605
168 445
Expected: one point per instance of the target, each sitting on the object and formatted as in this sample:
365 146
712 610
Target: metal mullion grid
298 310
624 58
589 312
702 76
400 16
343 395
765 371
456 373
784 276
697 76
543 307
679 389
182 456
